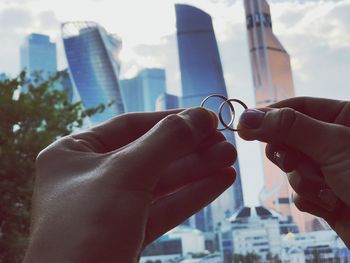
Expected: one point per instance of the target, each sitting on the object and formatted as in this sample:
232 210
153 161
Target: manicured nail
252 118
328 198
201 118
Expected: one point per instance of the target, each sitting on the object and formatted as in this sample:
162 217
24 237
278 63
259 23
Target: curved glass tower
202 75
92 56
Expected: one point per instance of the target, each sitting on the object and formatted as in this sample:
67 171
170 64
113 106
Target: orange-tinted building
273 81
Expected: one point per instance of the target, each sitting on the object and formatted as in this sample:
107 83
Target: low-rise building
178 244
257 231
324 246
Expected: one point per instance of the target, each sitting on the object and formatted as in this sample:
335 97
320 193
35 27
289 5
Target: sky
316 34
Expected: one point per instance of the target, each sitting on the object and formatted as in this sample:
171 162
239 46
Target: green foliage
28 123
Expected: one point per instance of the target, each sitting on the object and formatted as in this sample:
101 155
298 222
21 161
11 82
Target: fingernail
251 118
201 118
328 198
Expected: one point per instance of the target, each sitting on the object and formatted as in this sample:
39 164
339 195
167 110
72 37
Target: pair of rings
227 126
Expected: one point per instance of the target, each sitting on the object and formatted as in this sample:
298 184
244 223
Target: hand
309 138
104 194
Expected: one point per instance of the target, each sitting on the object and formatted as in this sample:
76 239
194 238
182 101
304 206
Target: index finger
294 129
121 130
321 109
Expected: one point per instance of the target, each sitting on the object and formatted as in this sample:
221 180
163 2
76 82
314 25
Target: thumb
291 128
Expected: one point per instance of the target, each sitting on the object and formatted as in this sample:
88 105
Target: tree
27 125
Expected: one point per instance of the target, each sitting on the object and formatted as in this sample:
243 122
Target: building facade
64 83
178 244
38 54
258 230
272 237
94 66
167 101
317 246
273 81
202 75
3 76
141 92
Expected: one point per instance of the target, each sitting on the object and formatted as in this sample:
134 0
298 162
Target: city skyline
319 60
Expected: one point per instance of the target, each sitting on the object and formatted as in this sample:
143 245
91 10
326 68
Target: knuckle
51 152
296 183
342 134
300 204
44 157
40 158
286 120
177 126
335 153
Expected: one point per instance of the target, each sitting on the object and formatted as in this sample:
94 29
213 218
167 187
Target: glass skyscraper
64 84
141 92
202 75
38 54
167 101
273 81
92 56
3 76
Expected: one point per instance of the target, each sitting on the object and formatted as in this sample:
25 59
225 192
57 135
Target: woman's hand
104 194
309 138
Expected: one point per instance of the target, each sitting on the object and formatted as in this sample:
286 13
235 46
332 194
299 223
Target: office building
258 230
273 81
179 243
317 246
268 235
38 54
141 92
167 101
92 56
65 84
3 76
202 75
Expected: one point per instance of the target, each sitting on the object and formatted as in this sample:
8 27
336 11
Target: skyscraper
141 92
38 54
92 56
167 101
273 81
64 83
3 76
202 75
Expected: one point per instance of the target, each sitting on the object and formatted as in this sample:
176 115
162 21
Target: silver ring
232 109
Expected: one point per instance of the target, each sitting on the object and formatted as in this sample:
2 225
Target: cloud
48 20
341 18
18 2
15 18
323 69
294 16
14 24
